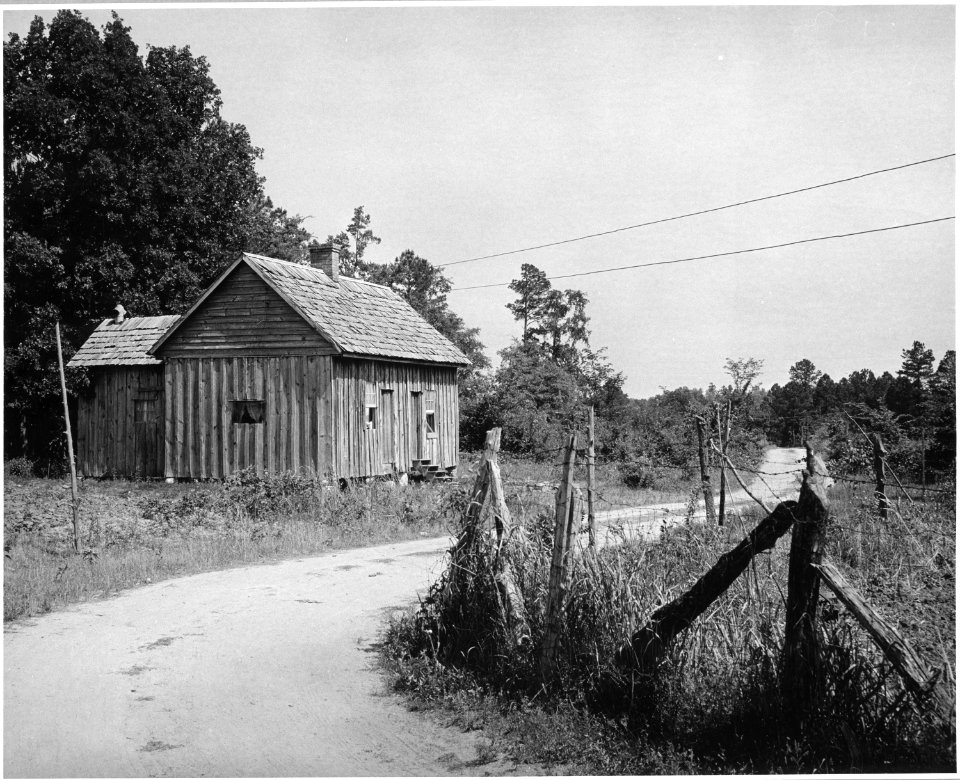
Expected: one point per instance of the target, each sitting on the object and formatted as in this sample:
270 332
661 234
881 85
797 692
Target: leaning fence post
879 451
704 475
801 661
562 536
73 465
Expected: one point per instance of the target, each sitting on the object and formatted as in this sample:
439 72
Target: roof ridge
319 270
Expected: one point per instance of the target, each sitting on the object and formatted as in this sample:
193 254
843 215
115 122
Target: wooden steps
425 471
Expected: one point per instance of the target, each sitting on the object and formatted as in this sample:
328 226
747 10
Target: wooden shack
120 417
281 366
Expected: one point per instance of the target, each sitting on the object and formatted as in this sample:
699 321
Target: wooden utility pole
879 451
704 474
562 537
591 480
73 466
801 648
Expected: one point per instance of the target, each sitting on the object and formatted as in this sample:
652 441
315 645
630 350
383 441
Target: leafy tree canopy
122 183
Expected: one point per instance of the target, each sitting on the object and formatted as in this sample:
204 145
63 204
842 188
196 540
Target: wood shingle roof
126 344
359 318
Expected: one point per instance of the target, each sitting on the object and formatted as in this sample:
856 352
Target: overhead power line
697 213
718 254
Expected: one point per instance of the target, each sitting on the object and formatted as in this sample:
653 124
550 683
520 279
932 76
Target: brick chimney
326 257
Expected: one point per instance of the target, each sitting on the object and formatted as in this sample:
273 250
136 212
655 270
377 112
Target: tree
743 371
917 365
533 289
352 262
803 372
122 183
943 412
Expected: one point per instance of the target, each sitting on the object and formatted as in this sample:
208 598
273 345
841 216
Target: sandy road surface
263 670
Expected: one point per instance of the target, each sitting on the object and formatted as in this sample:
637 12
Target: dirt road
264 670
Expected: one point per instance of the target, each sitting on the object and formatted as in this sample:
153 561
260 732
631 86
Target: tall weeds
136 533
717 690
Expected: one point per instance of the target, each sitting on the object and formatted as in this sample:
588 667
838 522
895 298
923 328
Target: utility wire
697 213
717 254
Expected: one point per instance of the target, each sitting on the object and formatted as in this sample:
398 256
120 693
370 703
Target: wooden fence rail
924 686
647 645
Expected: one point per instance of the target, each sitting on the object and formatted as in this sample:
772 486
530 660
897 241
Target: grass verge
714 705
134 533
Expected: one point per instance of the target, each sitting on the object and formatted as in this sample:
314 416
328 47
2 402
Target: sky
469 131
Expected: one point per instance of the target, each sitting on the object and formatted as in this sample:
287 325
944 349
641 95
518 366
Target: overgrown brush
139 532
717 691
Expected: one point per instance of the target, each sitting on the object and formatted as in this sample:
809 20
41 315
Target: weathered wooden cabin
279 367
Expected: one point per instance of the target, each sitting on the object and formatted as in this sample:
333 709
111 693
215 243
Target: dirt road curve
265 670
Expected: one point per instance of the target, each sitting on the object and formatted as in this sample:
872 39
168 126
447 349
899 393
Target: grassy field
139 532
714 706
135 533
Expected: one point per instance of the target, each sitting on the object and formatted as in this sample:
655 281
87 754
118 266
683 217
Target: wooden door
388 433
147 435
416 426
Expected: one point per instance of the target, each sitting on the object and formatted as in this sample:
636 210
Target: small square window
431 425
246 412
371 417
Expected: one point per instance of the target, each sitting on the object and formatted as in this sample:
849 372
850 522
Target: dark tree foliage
122 184
548 378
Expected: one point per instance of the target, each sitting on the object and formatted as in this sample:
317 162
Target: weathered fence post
704 474
801 651
723 434
73 465
471 517
591 480
879 453
514 613
562 536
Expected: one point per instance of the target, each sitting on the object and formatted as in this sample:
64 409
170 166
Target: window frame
430 414
241 407
371 405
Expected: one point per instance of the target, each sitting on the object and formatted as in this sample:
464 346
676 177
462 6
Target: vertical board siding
109 441
357 449
203 442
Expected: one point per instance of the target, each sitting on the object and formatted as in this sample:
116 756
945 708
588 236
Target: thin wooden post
73 466
704 474
924 686
923 462
562 535
723 434
879 453
647 645
801 651
591 480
